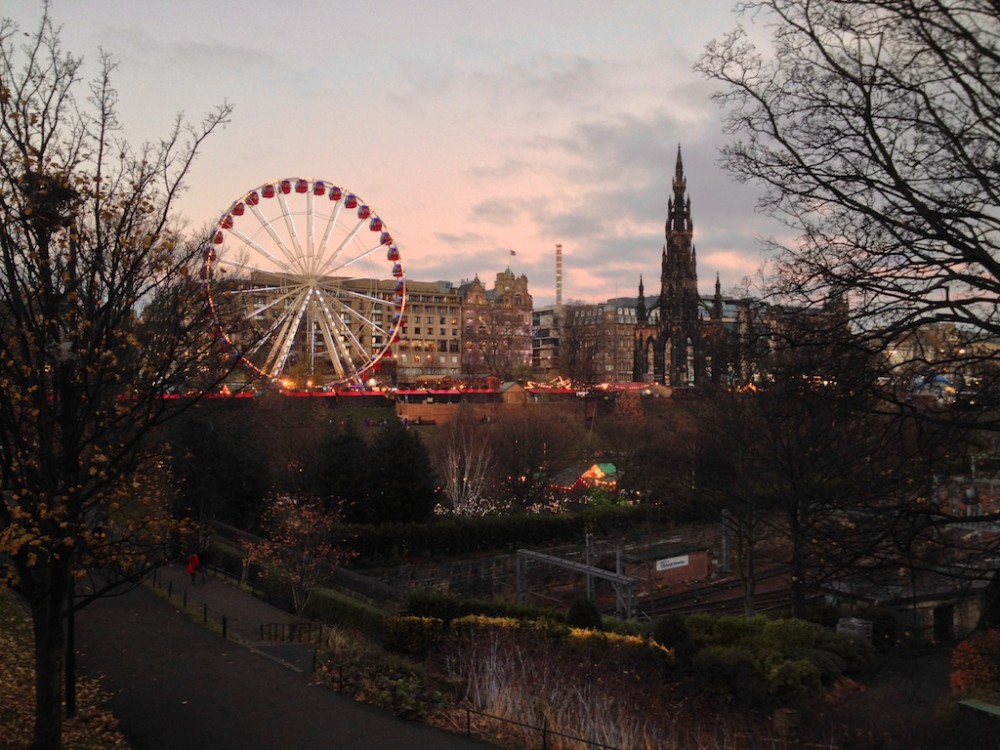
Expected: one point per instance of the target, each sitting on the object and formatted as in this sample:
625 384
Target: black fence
209 615
344 678
292 632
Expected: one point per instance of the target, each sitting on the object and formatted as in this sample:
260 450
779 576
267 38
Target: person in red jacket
192 566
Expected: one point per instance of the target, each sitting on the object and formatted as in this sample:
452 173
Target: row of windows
419 331
417 359
444 345
430 319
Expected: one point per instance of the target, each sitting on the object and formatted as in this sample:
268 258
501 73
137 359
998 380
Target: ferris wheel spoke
348 342
330 224
340 340
339 358
277 299
341 291
274 294
360 317
310 223
283 265
293 233
289 262
327 266
283 345
266 339
329 302
350 261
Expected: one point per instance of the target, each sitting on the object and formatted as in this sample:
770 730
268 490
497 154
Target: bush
416 636
449 607
725 630
830 665
856 652
333 607
976 663
787 634
672 632
794 680
747 659
583 613
730 674
629 652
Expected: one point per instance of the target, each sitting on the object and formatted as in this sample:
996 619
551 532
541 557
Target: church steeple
679 207
680 182
717 300
679 275
640 304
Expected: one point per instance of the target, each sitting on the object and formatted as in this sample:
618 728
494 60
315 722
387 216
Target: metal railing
292 632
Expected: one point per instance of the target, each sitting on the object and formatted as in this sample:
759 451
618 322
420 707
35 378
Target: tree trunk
50 651
798 568
748 573
69 680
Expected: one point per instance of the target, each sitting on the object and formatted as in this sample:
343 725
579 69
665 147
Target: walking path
176 685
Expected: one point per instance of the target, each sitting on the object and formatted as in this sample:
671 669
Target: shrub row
391 543
417 636
754 662
335 608
448 607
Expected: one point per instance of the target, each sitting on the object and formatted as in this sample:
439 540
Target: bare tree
85 248
874 127
582 344
531 446
736 480
465 462
498 343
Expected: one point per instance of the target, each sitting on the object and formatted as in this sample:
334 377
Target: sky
473 129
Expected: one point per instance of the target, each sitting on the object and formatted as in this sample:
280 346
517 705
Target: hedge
392 543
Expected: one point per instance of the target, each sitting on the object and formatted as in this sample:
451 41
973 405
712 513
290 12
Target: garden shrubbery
424 603
331 606
754 662
976 665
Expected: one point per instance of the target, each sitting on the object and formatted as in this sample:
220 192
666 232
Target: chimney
558 274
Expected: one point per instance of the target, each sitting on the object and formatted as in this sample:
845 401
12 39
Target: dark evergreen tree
401 485
223 471
339 472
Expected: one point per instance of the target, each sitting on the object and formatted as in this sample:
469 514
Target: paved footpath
178 686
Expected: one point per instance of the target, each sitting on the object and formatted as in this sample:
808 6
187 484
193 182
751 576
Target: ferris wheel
304 284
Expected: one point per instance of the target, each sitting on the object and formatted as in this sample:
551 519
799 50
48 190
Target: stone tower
668 333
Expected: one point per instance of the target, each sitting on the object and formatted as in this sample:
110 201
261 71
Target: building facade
429 349
496 327
597 341
545 334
